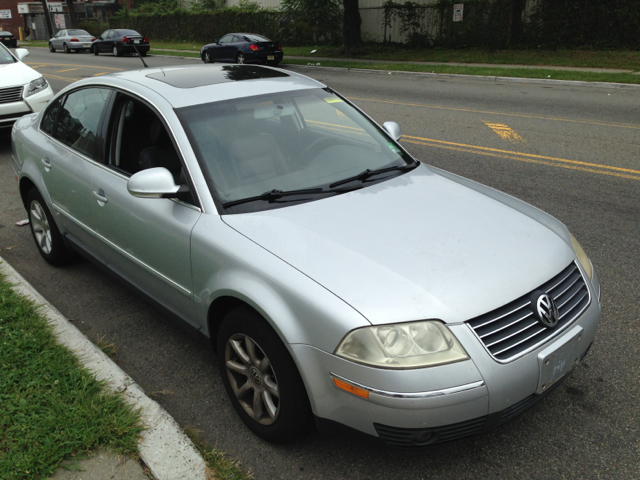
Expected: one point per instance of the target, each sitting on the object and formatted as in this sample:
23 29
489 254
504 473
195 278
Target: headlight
36 86
582 257
402 345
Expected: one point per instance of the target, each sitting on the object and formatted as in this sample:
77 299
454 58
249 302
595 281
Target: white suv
22 89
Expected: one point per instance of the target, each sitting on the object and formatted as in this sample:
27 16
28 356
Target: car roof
188 85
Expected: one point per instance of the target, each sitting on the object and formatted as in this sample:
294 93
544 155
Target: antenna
134 47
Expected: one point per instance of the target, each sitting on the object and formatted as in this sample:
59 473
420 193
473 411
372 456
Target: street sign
5 14
23 8
59 20
457 12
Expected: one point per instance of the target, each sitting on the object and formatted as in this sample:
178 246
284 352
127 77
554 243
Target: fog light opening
423 438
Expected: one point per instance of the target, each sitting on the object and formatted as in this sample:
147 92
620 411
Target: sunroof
211 75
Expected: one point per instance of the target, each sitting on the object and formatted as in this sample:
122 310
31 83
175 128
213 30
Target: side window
226 39
104 34
237 39
50 116
140 141
79 118
111 33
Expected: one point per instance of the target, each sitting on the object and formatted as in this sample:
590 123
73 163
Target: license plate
560 358
271 57
136 41
86 44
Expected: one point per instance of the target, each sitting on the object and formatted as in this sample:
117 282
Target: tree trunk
47 18
72 15
351 28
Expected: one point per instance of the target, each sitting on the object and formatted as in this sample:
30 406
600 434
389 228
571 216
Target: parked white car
22 89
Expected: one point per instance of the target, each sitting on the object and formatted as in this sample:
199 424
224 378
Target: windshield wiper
272 195
362 176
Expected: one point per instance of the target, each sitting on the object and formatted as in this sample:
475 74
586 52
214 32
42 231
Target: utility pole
47 17
72 14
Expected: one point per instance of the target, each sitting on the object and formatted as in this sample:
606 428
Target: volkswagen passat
337 277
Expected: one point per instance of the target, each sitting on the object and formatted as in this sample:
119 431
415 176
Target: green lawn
50 407
484 71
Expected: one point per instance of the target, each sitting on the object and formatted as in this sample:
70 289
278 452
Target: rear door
71 156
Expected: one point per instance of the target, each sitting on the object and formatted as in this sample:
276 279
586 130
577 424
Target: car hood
14 74
418 246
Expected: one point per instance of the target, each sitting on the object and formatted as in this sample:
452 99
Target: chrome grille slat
574 306
520 342
502 316
508 333
506 326
502 339
11 94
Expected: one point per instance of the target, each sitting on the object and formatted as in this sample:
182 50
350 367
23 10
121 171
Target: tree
516 29
351 28
47 17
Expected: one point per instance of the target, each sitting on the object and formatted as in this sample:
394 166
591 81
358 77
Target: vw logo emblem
256 376
547 311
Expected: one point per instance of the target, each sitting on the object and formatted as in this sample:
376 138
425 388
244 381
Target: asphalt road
572 151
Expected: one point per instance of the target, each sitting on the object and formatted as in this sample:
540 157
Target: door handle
100 197
47 163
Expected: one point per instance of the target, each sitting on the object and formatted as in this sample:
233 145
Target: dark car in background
9 39
243 48
119 42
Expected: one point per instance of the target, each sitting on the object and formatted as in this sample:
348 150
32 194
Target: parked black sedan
243 48
8 39
119 42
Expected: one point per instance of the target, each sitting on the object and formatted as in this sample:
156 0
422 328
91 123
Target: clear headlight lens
36 86
582 257
402 345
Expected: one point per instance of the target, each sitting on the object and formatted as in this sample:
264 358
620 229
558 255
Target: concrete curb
544 81
167 451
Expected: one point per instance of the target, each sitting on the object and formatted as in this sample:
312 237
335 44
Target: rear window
77 32
256 38
6 34
128 32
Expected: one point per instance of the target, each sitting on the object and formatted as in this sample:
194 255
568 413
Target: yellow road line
505 132
67 70
98 74
70 80
557 119
335 125
528 155
79 66
514 156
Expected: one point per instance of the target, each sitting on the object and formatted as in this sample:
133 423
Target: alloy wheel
240 58
115 51
41 227
252 379
207 57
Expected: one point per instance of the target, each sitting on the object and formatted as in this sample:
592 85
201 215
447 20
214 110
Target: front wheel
51 49
240 58
45 231
94 49
206 58
261 378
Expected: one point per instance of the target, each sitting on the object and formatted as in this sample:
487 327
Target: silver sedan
337 278
71 41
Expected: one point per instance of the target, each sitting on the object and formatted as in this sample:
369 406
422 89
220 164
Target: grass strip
170 53
625 59
483 71
51 408
219 466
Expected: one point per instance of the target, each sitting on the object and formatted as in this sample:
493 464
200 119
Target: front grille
419 437
11 94
513 330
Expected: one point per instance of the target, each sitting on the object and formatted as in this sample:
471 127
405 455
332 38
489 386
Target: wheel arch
25 185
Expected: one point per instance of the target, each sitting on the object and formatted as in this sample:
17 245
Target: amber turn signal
350 388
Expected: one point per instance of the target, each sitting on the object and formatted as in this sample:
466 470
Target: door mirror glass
393 129
155 183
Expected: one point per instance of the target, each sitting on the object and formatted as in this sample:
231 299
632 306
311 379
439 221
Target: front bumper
433 405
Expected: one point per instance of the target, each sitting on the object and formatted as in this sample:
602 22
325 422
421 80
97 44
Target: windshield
287 141
5 55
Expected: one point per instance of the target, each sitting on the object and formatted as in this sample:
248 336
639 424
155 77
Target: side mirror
22 53
393 129
155 183
99 38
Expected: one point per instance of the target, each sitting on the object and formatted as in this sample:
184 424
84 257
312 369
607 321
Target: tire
94 49
51 49
65 48
206 58
45 231
272 401
240 58
116 51
143 54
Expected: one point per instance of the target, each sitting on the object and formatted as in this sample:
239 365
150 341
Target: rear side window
79 118
49 118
